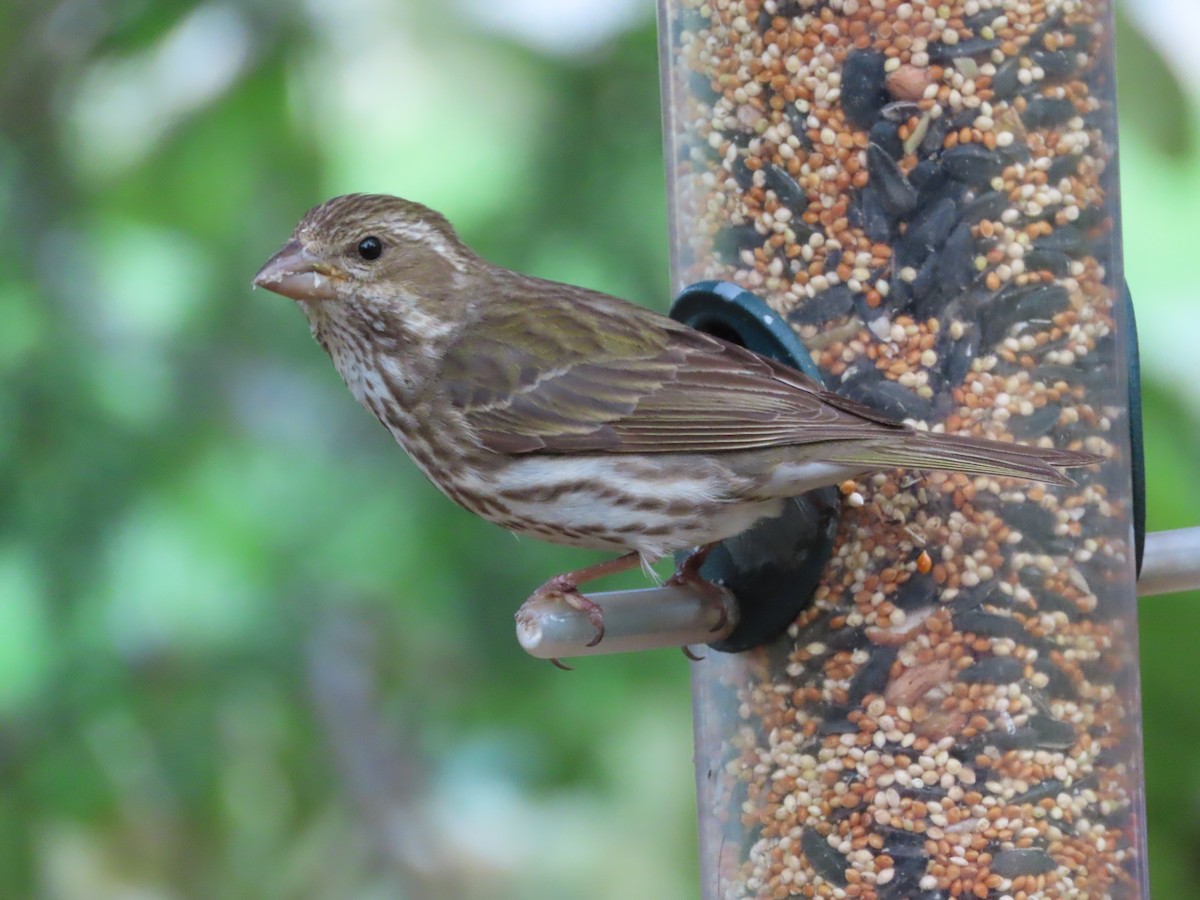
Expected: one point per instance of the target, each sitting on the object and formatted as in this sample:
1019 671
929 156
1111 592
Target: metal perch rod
1171 562
678 616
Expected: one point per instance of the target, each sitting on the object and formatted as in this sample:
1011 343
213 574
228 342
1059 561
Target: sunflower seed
1066 239
863 93
1055 64
990 625
898 195
789 193
730 242
1053 733
1007 82
1039 422
1047 112
989 206
956 261
1051 787
1055 262
994 670
918 592
886 134
941 53
1022 861
1063 167
928 229
826 306
971 163
873 675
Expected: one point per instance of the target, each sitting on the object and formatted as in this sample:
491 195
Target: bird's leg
566 587
688 575
688 572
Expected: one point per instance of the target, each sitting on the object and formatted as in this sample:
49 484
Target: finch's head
366 250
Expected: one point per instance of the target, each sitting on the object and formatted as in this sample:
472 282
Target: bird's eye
370 247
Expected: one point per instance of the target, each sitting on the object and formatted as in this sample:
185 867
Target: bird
574 416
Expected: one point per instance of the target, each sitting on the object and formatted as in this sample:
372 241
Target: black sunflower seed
935 136
1058 684
980 20
942 187
922 172
898 401
1053 734
863 92
742 173
908 872
1055 262
925 297
960 354
990 206
731 241
886 134
1006 82
1063 167
826 306
1022 861
943 53
956 260
1039 422
918 592
1047 112
1067 239
826 861
876 221
1051 787
897 193
872 677
994 670
1042 303
928 229
789 193
835 722
972 163
1056 64
990 625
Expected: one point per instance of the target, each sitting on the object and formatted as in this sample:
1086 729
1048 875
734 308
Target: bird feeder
927 194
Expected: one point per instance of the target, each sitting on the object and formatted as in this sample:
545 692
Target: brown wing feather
578 371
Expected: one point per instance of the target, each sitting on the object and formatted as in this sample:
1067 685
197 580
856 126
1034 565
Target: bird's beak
296 273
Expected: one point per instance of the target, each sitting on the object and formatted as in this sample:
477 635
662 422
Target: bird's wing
598 374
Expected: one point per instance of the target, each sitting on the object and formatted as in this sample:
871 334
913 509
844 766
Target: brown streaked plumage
574 416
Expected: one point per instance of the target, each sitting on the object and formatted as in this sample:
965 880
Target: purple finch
576 417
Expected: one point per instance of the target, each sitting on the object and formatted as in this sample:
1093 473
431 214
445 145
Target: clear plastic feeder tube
928 193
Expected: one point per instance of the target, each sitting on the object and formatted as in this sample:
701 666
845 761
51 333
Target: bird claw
688 572
560 588
688 575
723 620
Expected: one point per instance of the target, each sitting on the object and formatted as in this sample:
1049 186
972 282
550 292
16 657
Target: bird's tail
975 456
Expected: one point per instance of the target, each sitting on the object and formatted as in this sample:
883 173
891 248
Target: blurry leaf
170 587
1150 99
26 644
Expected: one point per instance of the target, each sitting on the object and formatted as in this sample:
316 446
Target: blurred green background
245 649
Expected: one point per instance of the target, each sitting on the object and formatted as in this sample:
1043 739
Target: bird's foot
688 575
564 589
